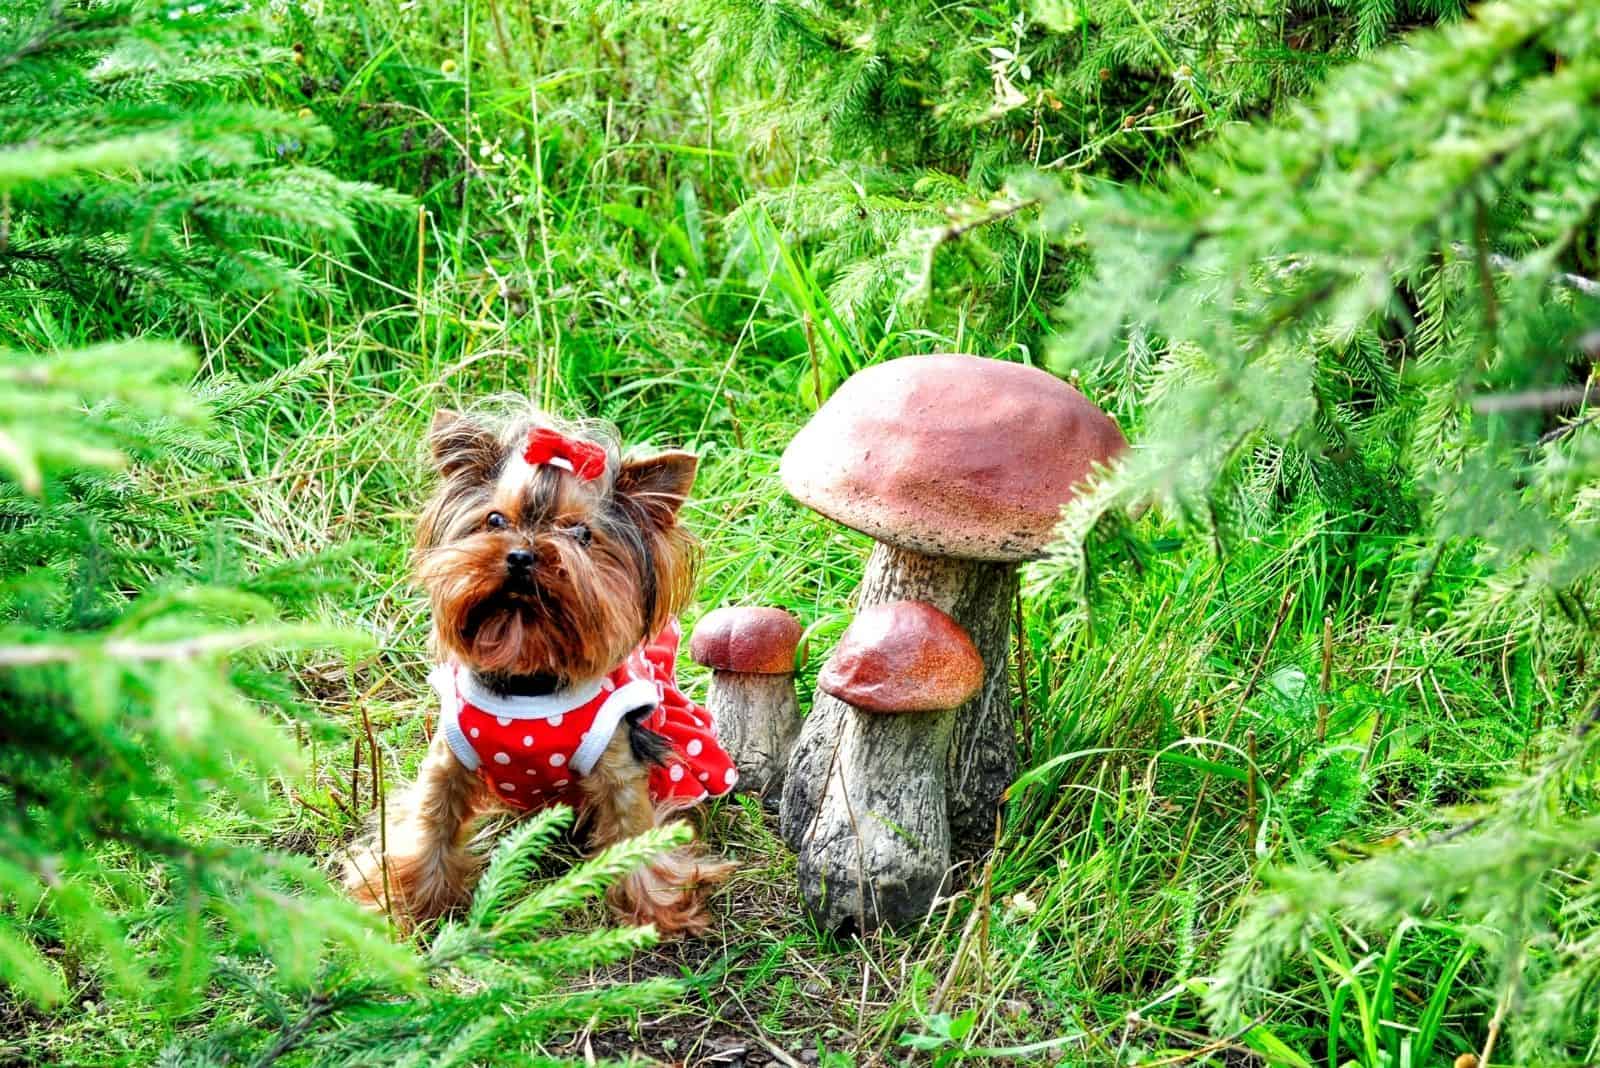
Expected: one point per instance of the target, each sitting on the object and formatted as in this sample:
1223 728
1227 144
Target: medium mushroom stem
981 758
757 718
879 847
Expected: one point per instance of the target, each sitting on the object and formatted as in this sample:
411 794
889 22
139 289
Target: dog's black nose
519 560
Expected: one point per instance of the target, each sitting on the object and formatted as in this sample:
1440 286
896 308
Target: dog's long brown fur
595 600
668 891
428 867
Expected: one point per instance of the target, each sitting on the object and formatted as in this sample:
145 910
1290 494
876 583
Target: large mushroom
879 849
958 466
750 652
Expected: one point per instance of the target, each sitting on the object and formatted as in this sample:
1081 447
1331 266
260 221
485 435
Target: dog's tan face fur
533 571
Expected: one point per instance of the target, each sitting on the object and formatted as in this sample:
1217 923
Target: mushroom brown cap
903 656
950 455
751 641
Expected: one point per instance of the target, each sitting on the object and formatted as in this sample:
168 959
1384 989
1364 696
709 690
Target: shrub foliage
144 712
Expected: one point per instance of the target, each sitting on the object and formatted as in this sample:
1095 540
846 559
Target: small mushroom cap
950 455
751 641
903 656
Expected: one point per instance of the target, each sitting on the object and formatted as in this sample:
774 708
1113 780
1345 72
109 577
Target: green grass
593 266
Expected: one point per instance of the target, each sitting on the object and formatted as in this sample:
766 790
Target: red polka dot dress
531 751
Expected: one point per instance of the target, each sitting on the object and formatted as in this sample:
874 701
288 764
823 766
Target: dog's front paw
410 887
364 879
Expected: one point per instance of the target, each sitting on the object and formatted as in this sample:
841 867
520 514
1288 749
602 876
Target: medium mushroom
750 652
879 848
958 466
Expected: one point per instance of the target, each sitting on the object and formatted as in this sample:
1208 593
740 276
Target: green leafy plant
916 114
127 717
134 170
505 976
1372 303
145 717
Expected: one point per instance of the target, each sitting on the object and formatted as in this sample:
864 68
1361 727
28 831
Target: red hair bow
583 458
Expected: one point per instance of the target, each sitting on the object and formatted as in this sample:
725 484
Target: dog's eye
580 533
496 521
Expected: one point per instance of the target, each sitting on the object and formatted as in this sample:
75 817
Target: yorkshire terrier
556 568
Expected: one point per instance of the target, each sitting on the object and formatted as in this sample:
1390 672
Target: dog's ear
658 485
460 444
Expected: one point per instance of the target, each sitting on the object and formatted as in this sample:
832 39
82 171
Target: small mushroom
750 652
958 467
879 848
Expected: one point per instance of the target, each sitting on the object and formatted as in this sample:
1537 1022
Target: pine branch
197 647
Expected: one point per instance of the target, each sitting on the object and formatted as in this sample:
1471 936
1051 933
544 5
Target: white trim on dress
443 679
640 693
542 706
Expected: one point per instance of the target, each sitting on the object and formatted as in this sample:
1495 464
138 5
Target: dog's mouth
521 603
520 590
527 628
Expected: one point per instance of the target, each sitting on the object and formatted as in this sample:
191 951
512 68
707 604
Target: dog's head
544 550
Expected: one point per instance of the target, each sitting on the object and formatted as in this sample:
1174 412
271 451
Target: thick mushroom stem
878 850
757 717
981 759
